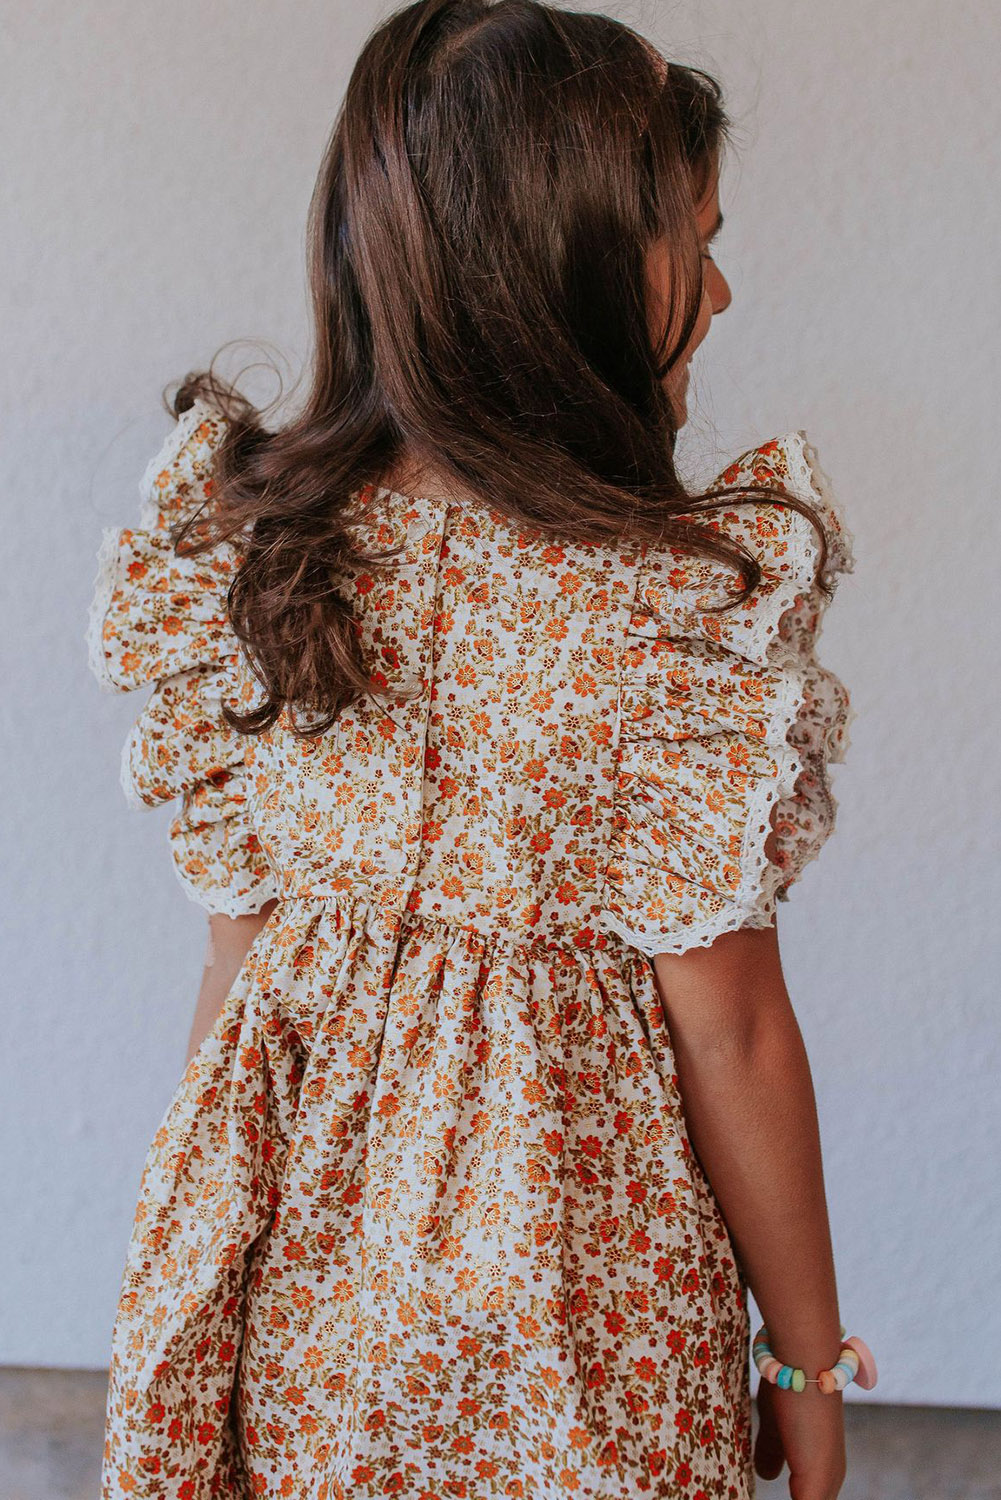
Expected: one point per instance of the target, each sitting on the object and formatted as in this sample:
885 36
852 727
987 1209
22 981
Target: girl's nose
719 290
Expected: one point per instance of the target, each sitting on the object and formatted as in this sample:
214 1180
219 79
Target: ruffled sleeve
159 620
727 723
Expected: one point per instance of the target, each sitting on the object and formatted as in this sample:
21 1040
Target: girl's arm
229 942
752 1120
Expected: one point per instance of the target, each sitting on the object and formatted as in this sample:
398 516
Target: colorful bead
855 1362
866 1375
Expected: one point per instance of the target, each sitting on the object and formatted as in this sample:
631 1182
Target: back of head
495 179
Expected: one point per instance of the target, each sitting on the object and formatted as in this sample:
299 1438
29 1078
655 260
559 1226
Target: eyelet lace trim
752 904
813 484
222 903
105 584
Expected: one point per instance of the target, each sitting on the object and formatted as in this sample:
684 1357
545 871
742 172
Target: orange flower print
422 1217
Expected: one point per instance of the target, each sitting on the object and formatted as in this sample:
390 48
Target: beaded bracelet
855 1362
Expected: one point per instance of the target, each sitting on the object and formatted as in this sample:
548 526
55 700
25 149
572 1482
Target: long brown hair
478 236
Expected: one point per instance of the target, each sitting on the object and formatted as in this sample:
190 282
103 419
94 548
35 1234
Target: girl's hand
230 940
806 1430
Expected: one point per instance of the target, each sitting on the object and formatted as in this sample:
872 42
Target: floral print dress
423 1218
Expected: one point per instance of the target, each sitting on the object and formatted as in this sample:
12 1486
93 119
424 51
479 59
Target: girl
495 748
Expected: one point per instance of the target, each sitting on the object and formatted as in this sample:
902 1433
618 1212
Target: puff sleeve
159 620
727 723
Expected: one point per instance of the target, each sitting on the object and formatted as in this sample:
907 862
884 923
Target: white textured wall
158 161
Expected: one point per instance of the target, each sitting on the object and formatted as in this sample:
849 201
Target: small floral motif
423 1217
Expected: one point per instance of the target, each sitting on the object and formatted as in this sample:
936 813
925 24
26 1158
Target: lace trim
692 937
125 775
809 477
807 481
219 902
106 582
836 756
109 578
839 754
750 905
222 904
761 879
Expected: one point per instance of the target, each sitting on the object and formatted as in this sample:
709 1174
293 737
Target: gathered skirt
423 1219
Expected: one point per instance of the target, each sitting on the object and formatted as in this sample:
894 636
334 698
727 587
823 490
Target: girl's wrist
811 1341
854 1362
812 1354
